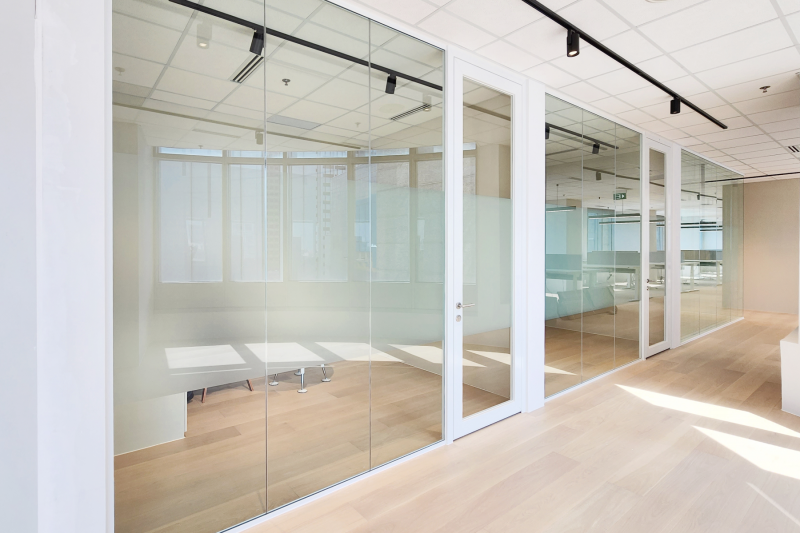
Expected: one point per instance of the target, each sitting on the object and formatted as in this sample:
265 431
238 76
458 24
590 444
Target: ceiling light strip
248 69
302 42
552 15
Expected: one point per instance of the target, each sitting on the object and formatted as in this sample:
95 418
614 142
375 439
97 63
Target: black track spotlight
595 148
257 44
675 106
573 43
598 176
547 132
391 84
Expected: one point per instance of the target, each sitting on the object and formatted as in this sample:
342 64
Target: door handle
460 306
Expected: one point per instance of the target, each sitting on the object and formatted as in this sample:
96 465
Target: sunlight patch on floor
709 410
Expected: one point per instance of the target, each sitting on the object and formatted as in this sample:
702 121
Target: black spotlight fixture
675 106
595 148
598 176
573 43
391 84
257 44
547 132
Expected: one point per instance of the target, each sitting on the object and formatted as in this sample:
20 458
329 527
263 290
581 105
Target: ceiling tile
136 71
750 42
656 126
638 13
780 83
218 60
584 92
794 23
784 125
789 6
456 30
544 38
778 115
647 96
687 118
588 64
591 17
771 145
509 55
636 116
769 102
632 46
619 81
724 135
499 17
687 86
743 141
612 105
752 69
706 21
662 68
786 138
411 11
141 39
550 75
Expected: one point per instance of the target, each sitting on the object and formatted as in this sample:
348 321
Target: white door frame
460 65
669 177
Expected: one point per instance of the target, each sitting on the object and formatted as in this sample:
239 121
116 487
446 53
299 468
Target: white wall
771 243
18 435
72 266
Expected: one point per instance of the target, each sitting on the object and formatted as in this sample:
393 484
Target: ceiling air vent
247 69
794 149
423 107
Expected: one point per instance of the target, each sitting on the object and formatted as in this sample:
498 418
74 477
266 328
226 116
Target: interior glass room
278 255
593 230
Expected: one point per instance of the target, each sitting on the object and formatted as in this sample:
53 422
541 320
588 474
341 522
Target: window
190 211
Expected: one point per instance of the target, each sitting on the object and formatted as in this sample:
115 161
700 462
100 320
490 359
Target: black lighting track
582 136
259 28
561 21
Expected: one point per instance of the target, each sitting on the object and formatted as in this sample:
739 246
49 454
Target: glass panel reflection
656 280
279 258
712 218
487 245
592 246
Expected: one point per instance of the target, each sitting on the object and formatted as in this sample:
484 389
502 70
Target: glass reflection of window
389 206
190 229
470 223
318 199
247 195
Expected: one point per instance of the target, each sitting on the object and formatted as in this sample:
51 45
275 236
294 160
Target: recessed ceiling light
204 35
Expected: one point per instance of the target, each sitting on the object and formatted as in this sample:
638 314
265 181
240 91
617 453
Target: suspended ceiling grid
716 53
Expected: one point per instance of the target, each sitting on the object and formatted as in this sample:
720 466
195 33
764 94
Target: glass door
487 370
656 300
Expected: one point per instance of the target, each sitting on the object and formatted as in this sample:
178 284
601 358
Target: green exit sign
620 196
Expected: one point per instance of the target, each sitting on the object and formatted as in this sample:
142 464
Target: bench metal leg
325 378
274 381
302 381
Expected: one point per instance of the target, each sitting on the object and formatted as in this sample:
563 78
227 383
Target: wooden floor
695 442
217 476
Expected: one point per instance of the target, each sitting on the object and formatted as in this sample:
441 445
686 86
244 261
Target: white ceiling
716 53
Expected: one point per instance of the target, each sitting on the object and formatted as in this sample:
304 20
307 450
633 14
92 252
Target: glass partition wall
278 256
592 245
712 246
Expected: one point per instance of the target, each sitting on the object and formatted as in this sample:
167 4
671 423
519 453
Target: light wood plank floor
695 443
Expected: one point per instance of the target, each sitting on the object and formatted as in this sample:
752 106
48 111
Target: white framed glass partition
488 349
279 256
593 238
657 194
